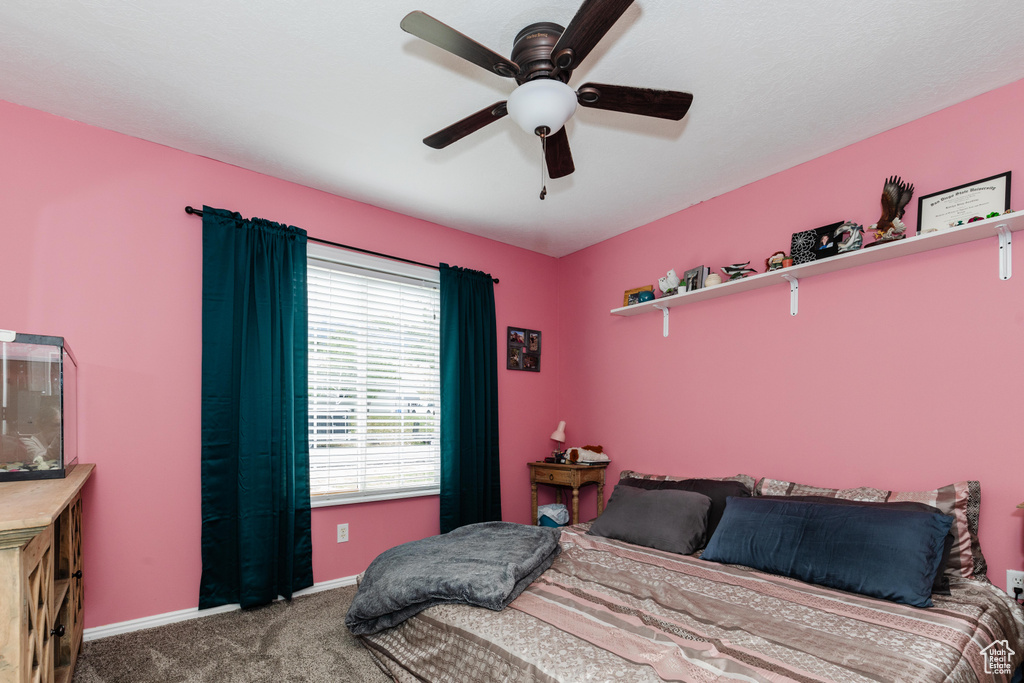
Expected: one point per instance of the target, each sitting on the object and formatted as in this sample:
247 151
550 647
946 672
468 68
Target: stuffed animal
587 454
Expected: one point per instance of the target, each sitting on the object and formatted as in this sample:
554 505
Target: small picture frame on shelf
523 349
694 278
814 245
635 296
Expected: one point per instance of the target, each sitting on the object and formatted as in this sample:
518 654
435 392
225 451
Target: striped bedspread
611 611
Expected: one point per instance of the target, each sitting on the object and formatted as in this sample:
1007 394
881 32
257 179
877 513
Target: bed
610 610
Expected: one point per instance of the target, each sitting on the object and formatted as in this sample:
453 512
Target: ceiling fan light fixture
542 103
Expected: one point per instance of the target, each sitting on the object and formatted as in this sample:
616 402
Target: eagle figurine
895 196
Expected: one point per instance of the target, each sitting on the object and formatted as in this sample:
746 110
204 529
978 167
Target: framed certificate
940 210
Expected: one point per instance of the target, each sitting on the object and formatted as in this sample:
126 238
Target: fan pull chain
543 164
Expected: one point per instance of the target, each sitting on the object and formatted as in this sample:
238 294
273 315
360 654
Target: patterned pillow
962 500
744 479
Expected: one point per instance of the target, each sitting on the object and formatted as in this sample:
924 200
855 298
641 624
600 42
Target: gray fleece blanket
487 565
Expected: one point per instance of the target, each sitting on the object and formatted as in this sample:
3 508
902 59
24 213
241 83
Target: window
374 379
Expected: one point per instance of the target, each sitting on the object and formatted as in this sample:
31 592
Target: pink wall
907 374
96 247
903 374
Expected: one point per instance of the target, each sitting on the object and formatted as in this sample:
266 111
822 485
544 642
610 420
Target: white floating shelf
999 227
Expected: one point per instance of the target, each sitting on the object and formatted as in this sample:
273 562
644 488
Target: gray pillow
662 518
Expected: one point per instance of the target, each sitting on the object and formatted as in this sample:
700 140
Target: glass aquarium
38 407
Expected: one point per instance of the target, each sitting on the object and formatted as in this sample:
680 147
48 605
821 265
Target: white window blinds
374 381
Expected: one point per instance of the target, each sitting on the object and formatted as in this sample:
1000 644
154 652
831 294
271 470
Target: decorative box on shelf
38 407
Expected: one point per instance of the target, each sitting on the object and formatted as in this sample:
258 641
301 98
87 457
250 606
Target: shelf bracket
794 288
664 320
1005 252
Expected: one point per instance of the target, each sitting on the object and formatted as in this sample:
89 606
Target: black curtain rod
196 212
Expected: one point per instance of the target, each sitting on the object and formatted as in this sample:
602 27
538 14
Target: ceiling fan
543 58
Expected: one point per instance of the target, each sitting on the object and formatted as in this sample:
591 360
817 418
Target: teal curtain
470 477
255 454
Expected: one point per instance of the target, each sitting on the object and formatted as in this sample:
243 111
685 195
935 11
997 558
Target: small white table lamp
559 436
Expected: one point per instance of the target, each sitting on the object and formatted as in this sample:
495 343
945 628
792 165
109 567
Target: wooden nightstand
573 476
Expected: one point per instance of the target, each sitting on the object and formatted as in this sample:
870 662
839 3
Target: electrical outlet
1014 579
343 533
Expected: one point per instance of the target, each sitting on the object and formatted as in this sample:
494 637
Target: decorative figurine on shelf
850 235
712 280
646 295
738 271
669 284
896 195
774 262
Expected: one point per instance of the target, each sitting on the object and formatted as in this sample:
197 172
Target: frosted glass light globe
543 103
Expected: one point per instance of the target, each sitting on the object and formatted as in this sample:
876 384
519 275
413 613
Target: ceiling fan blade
558 155
470 124
664 104
592 21
445 37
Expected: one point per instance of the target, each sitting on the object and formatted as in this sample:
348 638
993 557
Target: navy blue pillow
940 585
888 554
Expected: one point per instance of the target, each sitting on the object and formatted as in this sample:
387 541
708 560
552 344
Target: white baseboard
143 623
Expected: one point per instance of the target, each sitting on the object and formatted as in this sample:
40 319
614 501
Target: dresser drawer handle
551 477
58 632
77 575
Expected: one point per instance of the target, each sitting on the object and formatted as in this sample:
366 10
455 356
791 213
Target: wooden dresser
41 578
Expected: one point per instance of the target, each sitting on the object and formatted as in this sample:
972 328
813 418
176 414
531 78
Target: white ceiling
335 96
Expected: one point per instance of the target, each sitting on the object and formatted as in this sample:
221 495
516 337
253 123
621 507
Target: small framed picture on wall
523 349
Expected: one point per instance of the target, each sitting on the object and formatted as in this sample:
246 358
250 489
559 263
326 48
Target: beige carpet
302 640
